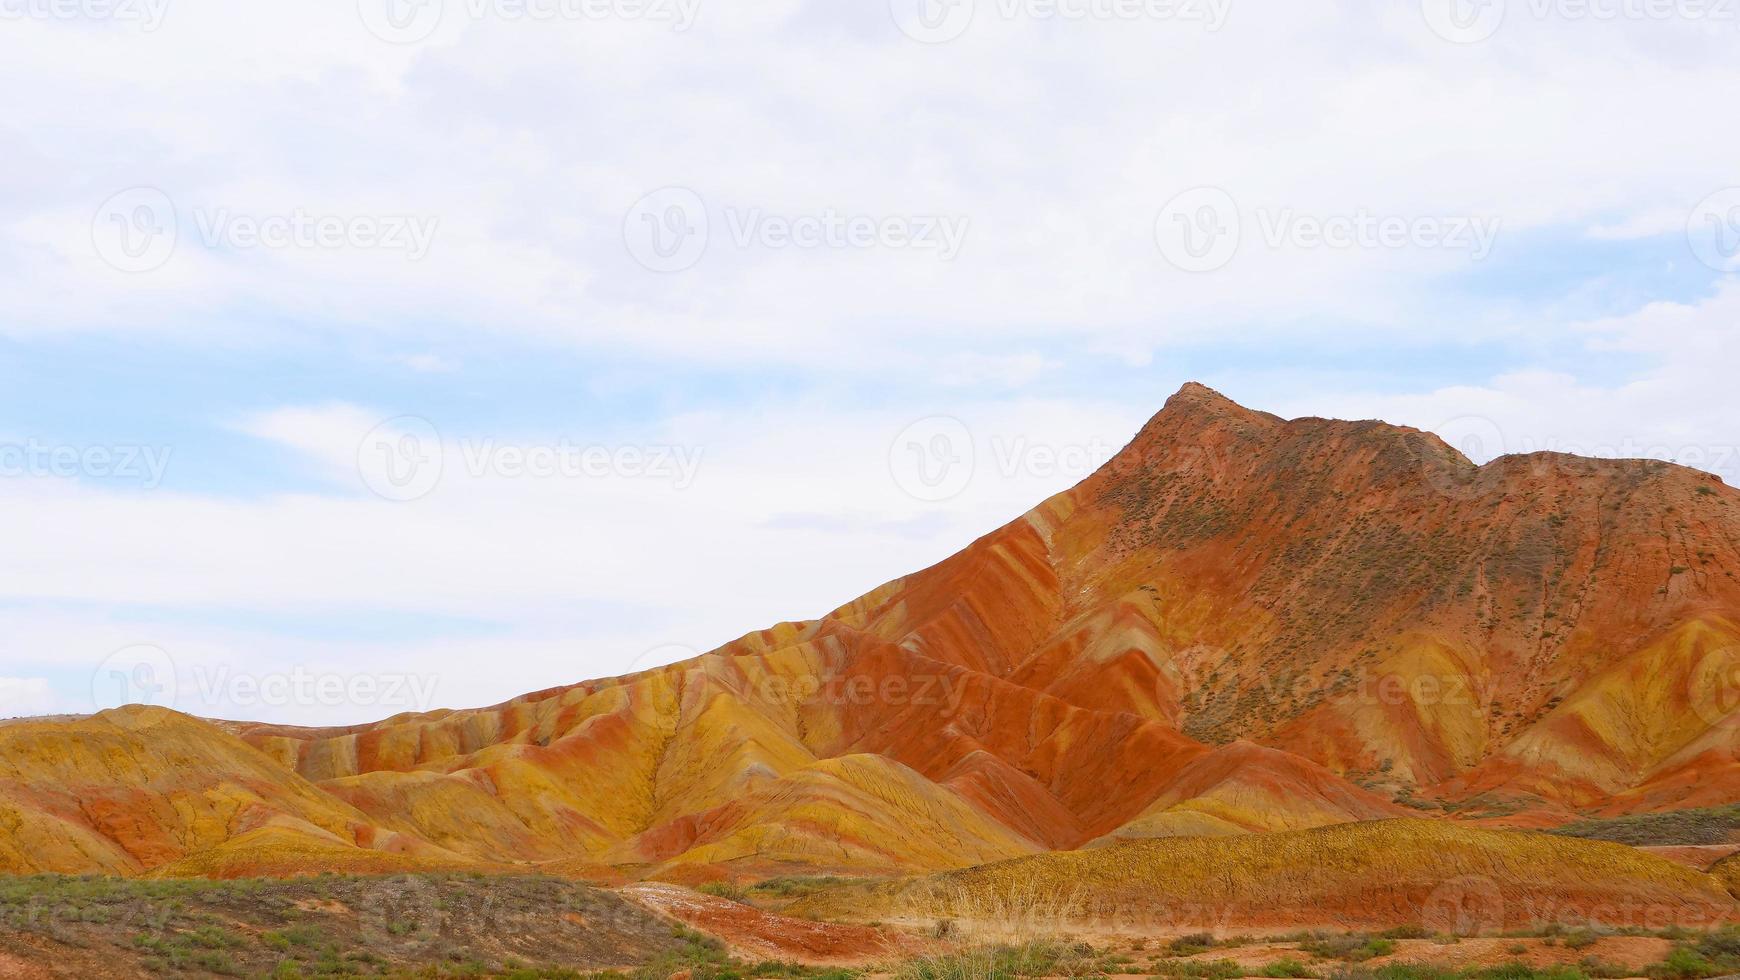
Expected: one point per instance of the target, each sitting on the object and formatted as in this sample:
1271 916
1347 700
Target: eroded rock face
1239 624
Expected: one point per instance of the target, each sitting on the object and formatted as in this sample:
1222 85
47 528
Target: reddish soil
1699 856
25 957
754 934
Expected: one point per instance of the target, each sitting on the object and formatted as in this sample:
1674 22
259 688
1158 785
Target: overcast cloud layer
365 356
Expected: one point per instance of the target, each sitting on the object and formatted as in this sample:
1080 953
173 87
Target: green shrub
1722 946
1194 970
724 889
1196 942
1038 959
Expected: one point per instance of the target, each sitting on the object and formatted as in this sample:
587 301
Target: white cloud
21 696
527 143
428 363
1675 400
807 108
1006 370
1643 224
663 564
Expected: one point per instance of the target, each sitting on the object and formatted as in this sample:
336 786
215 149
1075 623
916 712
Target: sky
383 355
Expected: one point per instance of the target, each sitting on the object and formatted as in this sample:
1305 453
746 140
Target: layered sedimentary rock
1240 624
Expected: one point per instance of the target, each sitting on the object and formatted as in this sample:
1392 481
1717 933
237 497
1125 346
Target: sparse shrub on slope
1386 873
1704 825
1034 959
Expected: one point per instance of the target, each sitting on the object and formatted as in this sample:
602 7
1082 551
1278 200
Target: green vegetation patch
1706 825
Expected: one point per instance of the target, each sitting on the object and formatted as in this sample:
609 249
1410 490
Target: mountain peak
1200 401
1195 408
1195 392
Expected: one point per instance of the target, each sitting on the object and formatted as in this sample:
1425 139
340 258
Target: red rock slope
1239 624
